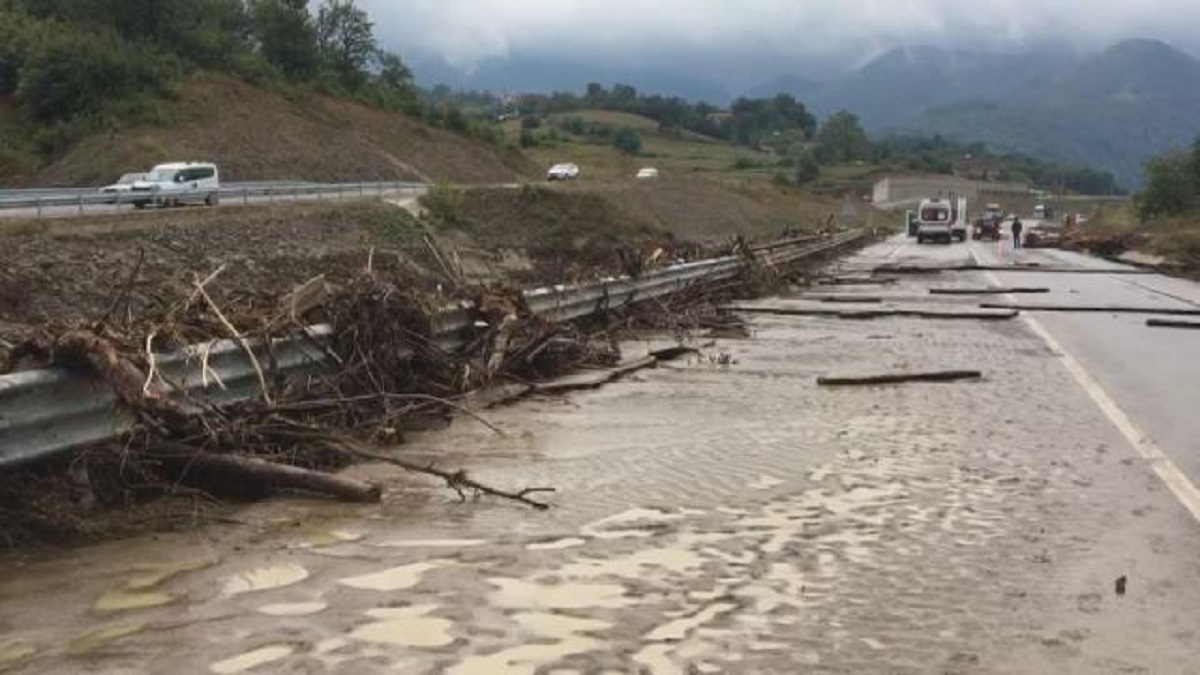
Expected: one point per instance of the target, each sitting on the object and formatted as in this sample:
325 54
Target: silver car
120 189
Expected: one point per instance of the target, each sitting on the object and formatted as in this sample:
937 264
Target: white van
934 220
178 183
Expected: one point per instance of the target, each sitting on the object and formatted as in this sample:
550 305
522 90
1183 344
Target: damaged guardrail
50 411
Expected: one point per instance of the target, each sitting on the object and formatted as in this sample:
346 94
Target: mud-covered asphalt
715 515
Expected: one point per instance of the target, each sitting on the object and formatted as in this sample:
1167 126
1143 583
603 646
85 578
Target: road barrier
51 411
43 203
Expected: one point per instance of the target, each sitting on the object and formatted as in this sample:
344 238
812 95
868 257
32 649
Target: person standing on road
1016 231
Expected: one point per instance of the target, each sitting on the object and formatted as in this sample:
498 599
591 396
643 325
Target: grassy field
673 154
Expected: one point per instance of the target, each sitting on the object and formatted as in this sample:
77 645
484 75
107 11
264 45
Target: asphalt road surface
724 514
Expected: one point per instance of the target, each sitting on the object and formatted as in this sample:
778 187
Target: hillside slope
255 134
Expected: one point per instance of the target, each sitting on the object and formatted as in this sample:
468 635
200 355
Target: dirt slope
254 134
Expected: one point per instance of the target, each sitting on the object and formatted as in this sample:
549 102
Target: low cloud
466 33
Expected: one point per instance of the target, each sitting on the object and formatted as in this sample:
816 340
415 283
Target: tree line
747 121
1172 184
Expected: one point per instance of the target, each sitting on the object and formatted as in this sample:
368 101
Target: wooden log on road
878 313
846 298
1172 323
900 378
1104 309
255 476
855 281
988 291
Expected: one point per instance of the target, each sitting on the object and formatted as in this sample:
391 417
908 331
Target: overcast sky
469 33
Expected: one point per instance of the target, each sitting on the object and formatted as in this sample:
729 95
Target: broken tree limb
877 313
458 481
1172 323
594 379
236 335
988 291
900 378
258 475
1108 309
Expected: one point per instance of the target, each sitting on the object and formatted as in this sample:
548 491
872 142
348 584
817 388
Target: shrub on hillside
443 201
627 140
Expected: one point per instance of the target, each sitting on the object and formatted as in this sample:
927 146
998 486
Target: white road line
1184 490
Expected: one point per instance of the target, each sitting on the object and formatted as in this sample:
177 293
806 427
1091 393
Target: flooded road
719 514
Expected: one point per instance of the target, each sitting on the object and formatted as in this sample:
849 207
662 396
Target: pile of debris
389 376
1107 245
390 373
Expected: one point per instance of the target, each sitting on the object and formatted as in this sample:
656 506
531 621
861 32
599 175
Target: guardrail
39 205
47 412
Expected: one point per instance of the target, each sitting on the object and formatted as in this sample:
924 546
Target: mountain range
1111 110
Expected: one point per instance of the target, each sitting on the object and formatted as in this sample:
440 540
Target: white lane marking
1184 490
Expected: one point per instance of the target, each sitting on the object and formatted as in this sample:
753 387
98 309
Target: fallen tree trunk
912 269
846 298
899 378
1171 323
1114 309
218 473
878 313
988 291
855 281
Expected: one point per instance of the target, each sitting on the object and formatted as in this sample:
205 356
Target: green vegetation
628 141
748 121
69 68
1172 184
842 139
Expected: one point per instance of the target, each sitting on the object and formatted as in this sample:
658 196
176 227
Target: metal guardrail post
38 202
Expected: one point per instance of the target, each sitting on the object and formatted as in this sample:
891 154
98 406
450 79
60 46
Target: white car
122 187
566 171
646 173
178 183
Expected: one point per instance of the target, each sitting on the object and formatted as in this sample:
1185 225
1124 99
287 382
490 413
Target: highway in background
69 202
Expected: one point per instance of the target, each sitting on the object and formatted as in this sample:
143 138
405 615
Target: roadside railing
38 204
47 412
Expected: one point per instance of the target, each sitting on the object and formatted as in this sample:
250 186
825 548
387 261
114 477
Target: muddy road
722 514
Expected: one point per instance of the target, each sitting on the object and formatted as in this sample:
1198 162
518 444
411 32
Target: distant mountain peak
1145 47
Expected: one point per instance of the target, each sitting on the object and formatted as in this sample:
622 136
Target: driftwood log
988 291
257 477
855 281
900 378
1113 309
877 313
1173 323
